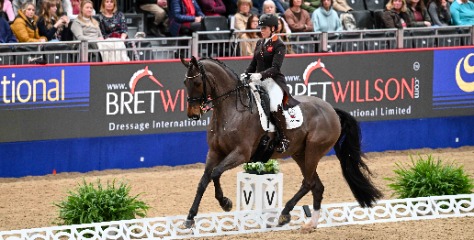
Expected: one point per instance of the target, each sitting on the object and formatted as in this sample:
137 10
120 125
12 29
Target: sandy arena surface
28 202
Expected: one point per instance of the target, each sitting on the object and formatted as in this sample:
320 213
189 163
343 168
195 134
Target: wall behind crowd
94 117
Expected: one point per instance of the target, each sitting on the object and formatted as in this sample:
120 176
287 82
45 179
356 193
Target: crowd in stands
62 20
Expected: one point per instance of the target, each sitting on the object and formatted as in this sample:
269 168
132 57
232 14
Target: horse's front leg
232 160
203 183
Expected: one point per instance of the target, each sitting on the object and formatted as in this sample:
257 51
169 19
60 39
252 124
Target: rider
265 66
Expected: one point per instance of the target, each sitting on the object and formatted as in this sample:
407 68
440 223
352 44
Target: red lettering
408 88
339 94
367 91
397 89
169 103
378 89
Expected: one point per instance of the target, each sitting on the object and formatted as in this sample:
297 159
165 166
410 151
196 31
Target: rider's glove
243 77
255 77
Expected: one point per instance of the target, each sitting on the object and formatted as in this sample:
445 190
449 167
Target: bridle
205 100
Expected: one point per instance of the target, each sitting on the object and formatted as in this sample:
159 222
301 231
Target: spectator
258 5
396 16
462 12
269 8
74 8
439 12
310 5
17 4
112 22
51 26
418 14
6 34
25 25
85 27
8 9
282 30
325 18
243 14
248 45
212 7
185 17
158 9
297 18
341 6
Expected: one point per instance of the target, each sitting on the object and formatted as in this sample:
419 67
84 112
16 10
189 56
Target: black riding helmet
268 20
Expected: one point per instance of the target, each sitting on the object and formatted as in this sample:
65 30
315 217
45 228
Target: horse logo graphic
312 67
138 75
463 85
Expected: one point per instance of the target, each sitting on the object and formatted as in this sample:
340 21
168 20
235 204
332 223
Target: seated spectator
8 9
85 27
212 7
6 34
462 12
185 17
25 25
395 15
158 9
112 22
281 30
297 18
341 6
269 8
51 26
325 18
418 14
310 5
258 5
17 5
439 12
241 17
247 47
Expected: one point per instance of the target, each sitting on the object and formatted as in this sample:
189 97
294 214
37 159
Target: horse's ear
186 64
194 61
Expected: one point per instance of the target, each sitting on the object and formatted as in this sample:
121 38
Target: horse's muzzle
194 113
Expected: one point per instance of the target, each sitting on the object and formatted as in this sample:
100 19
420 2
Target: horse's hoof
284 219
189 223
226 204
307 228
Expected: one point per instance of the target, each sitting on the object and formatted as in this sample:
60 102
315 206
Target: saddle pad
293 116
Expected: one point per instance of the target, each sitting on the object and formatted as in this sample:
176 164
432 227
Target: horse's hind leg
317 191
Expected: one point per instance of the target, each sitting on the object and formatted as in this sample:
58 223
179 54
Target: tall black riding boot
280 125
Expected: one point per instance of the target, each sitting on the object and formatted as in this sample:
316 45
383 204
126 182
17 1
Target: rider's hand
255 77
243 77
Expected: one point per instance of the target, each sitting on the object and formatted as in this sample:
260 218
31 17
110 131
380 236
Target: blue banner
45 88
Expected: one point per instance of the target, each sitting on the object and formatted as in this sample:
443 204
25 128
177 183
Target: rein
205 101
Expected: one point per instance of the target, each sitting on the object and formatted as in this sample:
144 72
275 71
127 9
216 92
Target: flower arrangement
270 167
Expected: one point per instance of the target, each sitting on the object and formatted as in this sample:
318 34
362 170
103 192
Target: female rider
266 63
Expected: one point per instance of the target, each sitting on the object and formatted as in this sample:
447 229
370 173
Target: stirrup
283 146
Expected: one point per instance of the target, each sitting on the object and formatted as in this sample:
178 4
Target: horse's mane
223 65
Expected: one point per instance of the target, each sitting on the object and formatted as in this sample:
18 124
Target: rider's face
266 31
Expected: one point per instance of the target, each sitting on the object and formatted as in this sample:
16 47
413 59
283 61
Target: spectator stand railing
213 44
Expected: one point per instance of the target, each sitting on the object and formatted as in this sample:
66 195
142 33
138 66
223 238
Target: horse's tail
355 171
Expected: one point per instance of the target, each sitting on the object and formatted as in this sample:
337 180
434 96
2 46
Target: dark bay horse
234 133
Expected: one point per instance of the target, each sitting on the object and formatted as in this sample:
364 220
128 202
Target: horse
234 133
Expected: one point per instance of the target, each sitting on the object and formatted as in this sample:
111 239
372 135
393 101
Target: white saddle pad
293 116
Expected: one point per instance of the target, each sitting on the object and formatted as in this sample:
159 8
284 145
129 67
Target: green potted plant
259 168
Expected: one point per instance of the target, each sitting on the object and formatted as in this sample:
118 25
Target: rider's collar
273 38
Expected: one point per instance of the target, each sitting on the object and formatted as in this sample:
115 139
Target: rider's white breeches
275 93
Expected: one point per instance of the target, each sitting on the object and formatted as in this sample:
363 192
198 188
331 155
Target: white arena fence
227 44
253 221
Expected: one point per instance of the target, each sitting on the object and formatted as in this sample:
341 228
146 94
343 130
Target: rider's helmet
269 20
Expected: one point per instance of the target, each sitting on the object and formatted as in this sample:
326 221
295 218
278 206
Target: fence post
323 46
194 44
400 38
84 51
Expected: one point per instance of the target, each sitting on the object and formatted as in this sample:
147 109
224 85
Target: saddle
293 116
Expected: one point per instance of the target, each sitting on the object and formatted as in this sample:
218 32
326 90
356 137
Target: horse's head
196 86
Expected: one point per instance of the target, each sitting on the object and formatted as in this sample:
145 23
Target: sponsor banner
370 86
453 82
141 99
44 102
